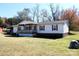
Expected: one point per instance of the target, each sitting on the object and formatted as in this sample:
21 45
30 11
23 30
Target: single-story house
29 28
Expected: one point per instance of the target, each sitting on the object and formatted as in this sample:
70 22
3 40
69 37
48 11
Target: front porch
27 29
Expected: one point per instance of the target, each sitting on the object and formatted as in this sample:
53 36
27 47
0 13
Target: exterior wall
48 29
62 29
65 28
15 29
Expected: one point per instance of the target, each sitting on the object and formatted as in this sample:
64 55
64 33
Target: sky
11 9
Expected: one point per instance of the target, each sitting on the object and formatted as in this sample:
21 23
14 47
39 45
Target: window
42 27
35 27
20 28
54 27
26 27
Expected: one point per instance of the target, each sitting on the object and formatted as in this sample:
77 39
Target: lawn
24 46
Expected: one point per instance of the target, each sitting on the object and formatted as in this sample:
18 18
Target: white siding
48 29
62 28
14 29
65 28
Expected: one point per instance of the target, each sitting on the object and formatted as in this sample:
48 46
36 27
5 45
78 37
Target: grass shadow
38 36
71 33
48 36
9 34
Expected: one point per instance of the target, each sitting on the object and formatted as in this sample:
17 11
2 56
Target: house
53 28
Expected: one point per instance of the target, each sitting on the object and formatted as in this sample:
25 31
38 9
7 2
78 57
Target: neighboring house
53 28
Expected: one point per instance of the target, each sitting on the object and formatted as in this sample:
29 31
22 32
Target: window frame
42 27
20 28
54 27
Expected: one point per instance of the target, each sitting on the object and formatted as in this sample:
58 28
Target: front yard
37 46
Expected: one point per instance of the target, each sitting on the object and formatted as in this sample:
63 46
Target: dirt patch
1 30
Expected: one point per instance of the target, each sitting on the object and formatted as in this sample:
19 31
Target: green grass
37 46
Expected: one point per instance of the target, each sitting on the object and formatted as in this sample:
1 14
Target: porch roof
27 22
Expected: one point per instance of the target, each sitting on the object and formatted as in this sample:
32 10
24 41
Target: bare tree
24 14
33 13
54 12
44 14
49 18
37 12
